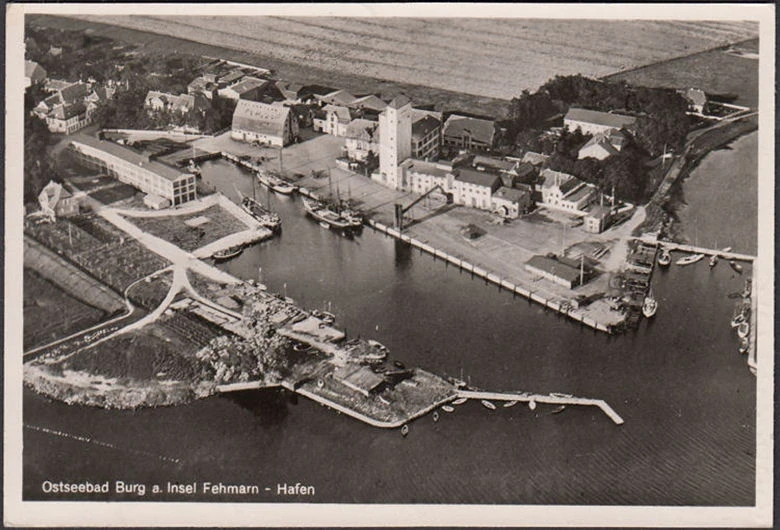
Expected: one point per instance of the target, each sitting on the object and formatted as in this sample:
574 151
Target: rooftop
562 180
368 102
489 161
535 159
579 193
342 112
422 127
129 155
480 178
260 117
427 168
247 84
479 129
510 194
399 101
361 129
556 266
607 119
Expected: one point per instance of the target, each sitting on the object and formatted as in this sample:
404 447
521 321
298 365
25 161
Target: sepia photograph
431 264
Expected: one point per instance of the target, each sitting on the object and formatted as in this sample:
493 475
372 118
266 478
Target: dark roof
359 129
130 155
510 194
247 84
422 127
556 267
535 159
73 93
65 112
607 119
314 90
479 129
489 161
480 178
369 102
564 181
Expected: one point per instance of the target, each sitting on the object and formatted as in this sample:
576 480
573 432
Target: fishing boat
736 266
744 344
649 306
404 430
261 214
510 404
688 260
743 330
447 408
277 184
488 404
460 401
227 253
713 260
664 258
321 213
435 416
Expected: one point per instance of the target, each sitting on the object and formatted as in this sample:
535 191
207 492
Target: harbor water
686 395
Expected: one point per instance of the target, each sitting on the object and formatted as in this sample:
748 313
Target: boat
649 306
460 401
276 184
447 408
435 416
727 249
558 410
743 330
324 225
665 258
510 404
404 430
532 405
738 319
227 253
488 404
324 215
746 292
320 383
713 260
688 260
736 266
744 345
560 395
261 214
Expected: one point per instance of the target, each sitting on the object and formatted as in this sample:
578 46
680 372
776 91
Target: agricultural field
50 313
494 58
717 72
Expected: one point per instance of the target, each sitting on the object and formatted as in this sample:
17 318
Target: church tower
395 140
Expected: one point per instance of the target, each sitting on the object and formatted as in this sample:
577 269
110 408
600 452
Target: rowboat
447 408
460 401
687 260
736 266
488 404
510 404
227 253
404 430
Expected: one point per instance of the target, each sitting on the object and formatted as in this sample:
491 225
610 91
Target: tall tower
395 140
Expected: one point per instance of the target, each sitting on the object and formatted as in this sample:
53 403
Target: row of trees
38 166
661 113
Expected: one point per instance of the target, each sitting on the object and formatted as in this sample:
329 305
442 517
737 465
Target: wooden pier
543 398
670 245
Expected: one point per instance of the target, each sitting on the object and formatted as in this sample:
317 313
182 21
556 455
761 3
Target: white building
272 124
395 140
566 192
133 168
362 138
594 122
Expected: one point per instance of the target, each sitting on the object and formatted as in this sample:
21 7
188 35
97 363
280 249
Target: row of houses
70 106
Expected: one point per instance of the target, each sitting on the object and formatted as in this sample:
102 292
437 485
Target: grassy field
50 313
172 228
715 72
487 57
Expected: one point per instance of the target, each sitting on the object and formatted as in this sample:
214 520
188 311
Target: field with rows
488 57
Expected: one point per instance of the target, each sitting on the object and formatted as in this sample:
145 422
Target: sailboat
260 213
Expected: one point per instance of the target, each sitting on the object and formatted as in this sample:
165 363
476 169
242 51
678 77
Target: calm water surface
685 393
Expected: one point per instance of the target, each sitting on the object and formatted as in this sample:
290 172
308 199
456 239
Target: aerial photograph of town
330 259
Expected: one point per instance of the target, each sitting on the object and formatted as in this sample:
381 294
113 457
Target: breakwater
490 277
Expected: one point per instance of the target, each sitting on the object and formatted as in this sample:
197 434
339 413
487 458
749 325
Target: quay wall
490 277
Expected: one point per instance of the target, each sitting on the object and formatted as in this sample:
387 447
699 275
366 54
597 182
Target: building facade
135 169
395 139
362 138
426 138
271 124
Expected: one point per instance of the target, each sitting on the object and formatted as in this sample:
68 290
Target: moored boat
688 260
736 266
559 409
277 184
649 306
664 258
713 260
325 216
532 405
744 345
404 430
560 395
227 253
460 401
435 416
510 404
488 404
261 214
743 330
447 408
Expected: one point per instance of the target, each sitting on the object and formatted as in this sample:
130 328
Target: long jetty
559 307
699 250
543 398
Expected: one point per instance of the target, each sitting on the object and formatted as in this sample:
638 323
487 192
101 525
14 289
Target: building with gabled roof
362 138
594 122
337 97
65 111
337 117
181 104
369 102
511 202
466 132
567 192
266 123
558 269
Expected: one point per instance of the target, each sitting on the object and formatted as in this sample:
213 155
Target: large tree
38 168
